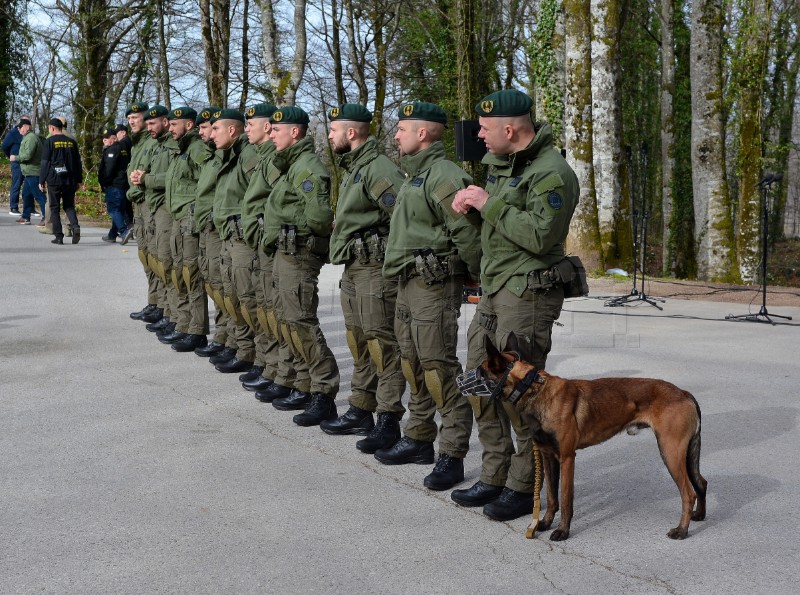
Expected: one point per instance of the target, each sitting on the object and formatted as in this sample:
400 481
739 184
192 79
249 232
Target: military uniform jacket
61 163
183 173
113 167
155 181
30 155
142 144
532 196
367 195
300 194
256 195
424 217
206 186
238 164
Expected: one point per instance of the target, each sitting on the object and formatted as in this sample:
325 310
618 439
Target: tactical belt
369 245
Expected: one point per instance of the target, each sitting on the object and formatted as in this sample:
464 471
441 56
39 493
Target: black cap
57 123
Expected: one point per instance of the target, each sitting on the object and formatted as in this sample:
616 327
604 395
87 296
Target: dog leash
530 533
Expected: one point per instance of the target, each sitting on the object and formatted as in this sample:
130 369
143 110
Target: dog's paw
559 535
698 516
677 533
543 525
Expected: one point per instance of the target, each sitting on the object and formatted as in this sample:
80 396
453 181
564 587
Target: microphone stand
635 295
763 315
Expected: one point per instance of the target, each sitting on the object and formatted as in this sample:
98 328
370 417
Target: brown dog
566 415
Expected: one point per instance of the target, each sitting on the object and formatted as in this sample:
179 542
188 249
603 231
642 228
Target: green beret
289 115
260 110
227 114
354 112
156 111
182 113
206 114
508 102
137 107
422 110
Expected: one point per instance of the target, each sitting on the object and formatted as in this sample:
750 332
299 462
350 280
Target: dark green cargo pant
185 263
531 319
142 226
210 247
368 303
234 265
426 325
296 308
160 255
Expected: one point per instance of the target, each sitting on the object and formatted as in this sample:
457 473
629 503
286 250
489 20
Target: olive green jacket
183 173
141 148
300 194
256 196
30 154
424 216
367 196
238 164
206 186
155 181
532 196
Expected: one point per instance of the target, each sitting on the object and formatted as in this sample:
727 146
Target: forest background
669 111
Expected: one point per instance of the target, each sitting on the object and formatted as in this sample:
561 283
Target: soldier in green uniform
239 161
159 253
181 193
526 208
297 228
432 249
142 144
209 244
367 196
276 378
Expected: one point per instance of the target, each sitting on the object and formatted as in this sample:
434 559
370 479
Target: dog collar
524 385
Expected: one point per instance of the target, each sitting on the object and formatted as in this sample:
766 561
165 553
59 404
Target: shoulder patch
388 199
551 182
445 190
417 181
250 165
379 187
554 200
307 186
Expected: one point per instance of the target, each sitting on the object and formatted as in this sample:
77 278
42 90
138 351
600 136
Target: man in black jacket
62 171
113 179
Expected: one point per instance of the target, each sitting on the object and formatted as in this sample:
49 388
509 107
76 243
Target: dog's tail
699 483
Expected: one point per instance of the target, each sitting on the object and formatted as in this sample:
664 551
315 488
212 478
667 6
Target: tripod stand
763 315
638 232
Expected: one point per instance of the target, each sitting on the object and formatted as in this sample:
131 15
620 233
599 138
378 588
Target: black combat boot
477 495
158 325
233 365
385 433
407 450
143 312
167 330
251 374
213 348
225 355
257 384
272 392
296 400
173 337
447 472
190 343
509 506
355 421
154 315
322 408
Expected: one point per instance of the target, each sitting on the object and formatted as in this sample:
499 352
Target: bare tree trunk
791 211
356 61
713 228
284 82
547 57
667 128
162 54
336 52
584 234
607 132
245 52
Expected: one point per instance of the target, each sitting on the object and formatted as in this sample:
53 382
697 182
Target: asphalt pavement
129 468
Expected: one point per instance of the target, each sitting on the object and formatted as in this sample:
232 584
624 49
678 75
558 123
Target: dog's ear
512 346
494 359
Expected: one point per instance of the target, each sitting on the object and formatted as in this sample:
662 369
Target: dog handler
530 196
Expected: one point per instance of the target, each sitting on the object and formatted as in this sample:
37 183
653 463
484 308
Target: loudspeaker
468 146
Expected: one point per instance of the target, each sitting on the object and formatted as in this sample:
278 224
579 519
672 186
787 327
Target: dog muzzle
475 383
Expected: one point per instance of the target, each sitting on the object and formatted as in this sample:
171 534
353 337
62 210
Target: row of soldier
236 207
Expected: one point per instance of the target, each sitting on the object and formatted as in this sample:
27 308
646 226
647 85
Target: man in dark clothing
62 171
127 208
113 179
11 144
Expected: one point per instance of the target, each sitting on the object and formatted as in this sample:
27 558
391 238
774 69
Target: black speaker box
468 146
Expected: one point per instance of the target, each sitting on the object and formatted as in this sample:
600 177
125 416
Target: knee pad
352 343
433 380
408 372
376 352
